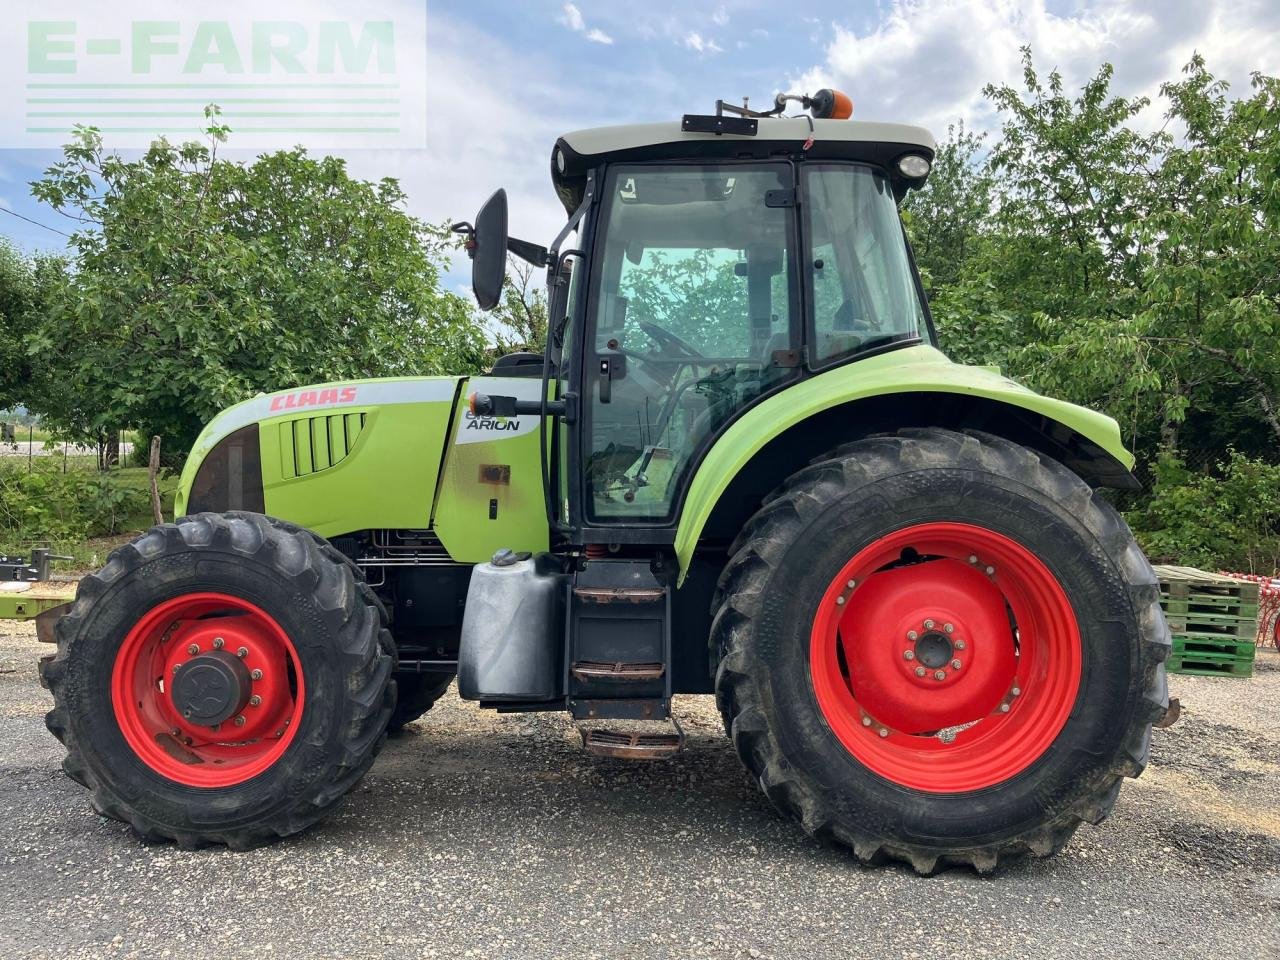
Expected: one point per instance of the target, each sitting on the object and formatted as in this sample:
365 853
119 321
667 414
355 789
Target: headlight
914 166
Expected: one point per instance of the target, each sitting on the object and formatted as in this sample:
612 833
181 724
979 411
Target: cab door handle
612 366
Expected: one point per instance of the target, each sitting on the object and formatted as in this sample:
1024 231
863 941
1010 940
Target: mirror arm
529 252
467 230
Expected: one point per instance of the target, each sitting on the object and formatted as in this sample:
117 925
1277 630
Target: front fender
918 369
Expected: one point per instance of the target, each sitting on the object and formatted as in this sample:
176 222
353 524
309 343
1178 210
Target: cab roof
880 144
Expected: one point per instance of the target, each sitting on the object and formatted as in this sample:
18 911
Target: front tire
223 679
940 648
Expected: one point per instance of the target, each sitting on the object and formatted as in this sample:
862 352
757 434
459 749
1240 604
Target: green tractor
742 466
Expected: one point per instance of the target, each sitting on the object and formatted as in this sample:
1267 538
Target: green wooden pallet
1208 604
1201 665
1201 625
1192 647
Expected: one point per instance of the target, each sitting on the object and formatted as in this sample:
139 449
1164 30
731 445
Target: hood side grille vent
311 444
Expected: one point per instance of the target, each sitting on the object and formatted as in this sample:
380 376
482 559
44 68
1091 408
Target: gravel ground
484 836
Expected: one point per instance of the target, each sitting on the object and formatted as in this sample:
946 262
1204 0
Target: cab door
693 315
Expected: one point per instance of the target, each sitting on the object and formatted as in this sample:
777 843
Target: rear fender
888 391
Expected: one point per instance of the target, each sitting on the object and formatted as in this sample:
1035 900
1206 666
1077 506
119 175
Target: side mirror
488 249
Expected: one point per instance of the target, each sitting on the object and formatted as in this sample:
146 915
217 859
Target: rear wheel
940 648
223 679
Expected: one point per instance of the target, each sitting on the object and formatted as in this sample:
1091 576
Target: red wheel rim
894 623
148 692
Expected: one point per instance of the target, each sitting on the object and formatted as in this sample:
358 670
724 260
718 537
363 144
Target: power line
13 213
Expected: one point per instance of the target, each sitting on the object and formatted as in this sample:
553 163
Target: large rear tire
223 679
940 648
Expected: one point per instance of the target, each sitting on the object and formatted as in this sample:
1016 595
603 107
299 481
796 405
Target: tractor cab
717 261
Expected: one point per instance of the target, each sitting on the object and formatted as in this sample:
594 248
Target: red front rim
170 652
945 657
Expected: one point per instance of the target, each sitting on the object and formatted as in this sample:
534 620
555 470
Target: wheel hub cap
933 650
211 688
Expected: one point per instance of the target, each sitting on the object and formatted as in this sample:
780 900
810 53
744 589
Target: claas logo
313 398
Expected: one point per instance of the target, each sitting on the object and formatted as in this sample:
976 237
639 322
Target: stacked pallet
1213 619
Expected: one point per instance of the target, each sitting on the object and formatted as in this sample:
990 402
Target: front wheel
940 648
223 679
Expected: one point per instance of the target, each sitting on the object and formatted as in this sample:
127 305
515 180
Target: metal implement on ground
739 464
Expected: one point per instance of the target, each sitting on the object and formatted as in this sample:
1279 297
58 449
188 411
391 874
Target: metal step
619 594
634 745
619 671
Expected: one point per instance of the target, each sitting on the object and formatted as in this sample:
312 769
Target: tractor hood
337 436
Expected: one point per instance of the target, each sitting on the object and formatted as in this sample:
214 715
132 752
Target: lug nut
256 675
884 732
920 671
255 701
948 628
218 643
990 571
908 654
176 668
1016 691
955 664
928 624
866 721
959 644
242 652
973 558
193 649
839 601
852 584
940 675
240 721
1004 708
912 635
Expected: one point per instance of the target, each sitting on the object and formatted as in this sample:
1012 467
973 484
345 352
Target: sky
504 79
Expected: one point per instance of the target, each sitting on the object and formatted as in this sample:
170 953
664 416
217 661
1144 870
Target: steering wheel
672 343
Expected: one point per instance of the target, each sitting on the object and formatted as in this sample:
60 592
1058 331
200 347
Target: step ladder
618 658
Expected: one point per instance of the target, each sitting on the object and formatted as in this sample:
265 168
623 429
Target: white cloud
721 17
696 41
926 61
573 19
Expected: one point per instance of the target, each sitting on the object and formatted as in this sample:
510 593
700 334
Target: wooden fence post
153 471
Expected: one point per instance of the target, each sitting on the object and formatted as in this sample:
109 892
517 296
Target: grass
92 553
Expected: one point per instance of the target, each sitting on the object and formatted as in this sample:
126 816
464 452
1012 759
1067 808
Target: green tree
198 281
26 284
1130 270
